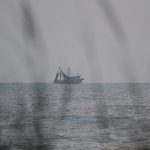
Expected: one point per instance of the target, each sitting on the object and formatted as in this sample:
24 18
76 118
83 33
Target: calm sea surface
74 117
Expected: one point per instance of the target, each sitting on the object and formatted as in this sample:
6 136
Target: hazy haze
80 34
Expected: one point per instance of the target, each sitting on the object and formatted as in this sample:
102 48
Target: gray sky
80 34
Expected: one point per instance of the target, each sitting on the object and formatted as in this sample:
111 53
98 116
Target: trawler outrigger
62 78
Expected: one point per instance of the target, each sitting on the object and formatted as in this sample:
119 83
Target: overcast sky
103 42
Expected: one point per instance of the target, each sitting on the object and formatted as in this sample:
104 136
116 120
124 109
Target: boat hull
68 82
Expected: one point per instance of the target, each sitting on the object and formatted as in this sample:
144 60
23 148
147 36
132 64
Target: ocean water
74 117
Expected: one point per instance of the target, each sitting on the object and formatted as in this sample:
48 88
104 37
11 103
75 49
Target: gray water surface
74 117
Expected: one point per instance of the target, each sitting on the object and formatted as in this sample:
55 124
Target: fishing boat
62 78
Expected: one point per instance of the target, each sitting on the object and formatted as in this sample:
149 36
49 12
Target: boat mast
59 73
69 72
